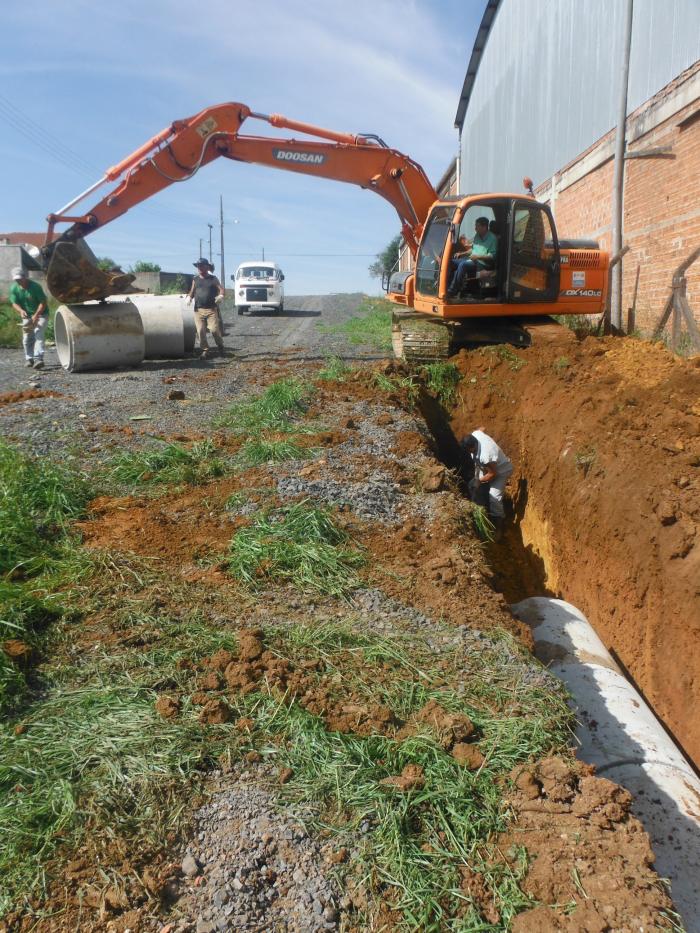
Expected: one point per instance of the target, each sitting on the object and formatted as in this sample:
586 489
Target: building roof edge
482 36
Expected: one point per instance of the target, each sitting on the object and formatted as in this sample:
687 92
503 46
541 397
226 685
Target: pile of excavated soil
605 438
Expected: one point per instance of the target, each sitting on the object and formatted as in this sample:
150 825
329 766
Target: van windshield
257 272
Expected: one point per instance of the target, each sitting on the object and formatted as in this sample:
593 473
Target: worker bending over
491 470
208 293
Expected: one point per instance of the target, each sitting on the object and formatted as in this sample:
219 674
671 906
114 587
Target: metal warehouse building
540 98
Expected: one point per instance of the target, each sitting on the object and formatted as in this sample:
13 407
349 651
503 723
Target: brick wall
661 198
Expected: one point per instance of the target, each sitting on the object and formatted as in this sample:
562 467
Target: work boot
497 522
204 354
29 363
38 364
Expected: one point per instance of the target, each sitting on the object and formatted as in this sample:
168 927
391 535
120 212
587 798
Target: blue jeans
463 269
33 338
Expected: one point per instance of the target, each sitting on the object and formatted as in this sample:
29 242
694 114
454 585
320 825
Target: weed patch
273 410
255 452
442 380
170 464
335 370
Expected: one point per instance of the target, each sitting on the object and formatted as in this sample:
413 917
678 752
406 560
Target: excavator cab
511 258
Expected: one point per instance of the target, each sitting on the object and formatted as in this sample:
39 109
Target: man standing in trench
491 471
208 293
29 301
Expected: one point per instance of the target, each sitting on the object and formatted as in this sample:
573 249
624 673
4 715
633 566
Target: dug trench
605 498
364 743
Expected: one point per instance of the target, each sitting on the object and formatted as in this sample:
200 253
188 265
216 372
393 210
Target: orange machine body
533 274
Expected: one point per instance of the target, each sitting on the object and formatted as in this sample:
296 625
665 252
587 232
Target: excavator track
416 339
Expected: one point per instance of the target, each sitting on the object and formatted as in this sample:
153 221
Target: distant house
19 249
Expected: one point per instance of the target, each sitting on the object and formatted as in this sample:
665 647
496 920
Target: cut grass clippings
300 544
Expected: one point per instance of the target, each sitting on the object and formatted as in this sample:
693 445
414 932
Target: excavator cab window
432 247
533 266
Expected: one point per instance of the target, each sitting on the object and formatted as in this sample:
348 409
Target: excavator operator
470 258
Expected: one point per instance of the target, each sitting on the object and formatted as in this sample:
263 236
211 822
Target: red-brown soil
12 398
567 817
605 439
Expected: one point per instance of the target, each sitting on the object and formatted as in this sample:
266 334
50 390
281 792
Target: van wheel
242 308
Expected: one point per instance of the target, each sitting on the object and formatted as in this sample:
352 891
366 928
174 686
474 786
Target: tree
387 260
106 264
143 266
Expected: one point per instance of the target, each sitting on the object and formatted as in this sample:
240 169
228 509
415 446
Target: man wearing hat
208 294
491 471
29 301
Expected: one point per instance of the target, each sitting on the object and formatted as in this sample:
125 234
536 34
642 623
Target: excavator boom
179 151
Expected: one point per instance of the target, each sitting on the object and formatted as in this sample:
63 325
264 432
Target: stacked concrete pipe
99 335
620 735
123 331
168 324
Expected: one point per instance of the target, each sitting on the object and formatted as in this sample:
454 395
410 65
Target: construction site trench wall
605 440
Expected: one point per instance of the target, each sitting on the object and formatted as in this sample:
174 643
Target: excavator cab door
432 249
533 254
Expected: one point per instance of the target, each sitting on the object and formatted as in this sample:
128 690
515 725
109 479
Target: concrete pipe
620 735
168 324
99 335
163 325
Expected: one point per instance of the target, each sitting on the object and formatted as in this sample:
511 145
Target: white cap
18 273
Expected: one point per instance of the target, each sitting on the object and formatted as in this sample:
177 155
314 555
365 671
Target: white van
258 285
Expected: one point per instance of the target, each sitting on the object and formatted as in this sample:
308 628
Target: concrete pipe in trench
99 335
620 735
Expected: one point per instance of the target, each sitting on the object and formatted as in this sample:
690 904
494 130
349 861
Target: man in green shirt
470 259
29 301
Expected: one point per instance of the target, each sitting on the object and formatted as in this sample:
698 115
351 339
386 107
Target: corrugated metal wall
547 84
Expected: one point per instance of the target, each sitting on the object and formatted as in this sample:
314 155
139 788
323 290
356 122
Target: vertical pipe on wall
619 172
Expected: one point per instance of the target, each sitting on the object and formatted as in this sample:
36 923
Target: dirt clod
168 707
411 778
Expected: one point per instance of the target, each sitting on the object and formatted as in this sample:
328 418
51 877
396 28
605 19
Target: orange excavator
529 275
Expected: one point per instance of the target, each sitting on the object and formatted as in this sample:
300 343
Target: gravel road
88 409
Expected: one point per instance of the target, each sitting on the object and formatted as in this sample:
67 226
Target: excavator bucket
72 278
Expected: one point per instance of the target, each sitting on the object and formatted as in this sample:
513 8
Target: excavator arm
179 151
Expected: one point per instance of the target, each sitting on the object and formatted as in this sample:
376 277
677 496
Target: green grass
298 543
89 756
169 464
24 616
442 380
371 327
507 354
416 842
37 500
11 332
275 409
483 524
335 370
257 451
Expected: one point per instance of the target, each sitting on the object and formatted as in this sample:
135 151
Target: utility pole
619 173
210 229
199 254
263 256
221 228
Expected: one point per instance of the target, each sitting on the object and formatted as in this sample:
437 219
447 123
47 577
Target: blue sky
84 82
